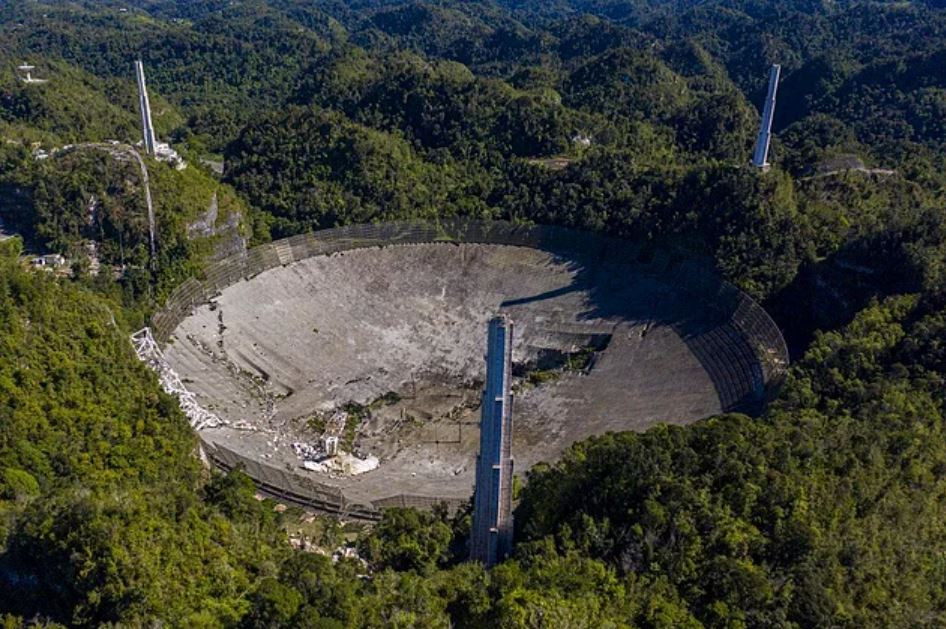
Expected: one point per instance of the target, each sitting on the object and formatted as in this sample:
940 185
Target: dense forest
630 117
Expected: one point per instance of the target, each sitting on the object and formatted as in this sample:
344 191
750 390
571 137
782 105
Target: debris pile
149 353
307 451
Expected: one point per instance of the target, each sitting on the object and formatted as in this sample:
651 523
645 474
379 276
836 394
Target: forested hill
631 117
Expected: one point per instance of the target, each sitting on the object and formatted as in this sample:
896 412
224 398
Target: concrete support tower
145 107
761 157
492 501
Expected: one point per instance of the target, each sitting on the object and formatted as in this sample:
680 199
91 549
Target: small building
49 261
582 140
164 153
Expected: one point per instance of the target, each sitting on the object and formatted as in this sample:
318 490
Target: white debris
148 352
353 465
314 466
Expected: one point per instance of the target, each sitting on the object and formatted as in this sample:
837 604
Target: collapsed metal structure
492 532
150 353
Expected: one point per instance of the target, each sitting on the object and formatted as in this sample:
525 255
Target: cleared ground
599 347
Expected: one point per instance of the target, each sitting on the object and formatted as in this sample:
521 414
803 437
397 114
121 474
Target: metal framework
761 157
150 353
491 539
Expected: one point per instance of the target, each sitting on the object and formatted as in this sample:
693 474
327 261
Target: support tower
492 500
145 107
761 157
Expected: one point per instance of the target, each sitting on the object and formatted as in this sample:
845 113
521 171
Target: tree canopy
634 118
